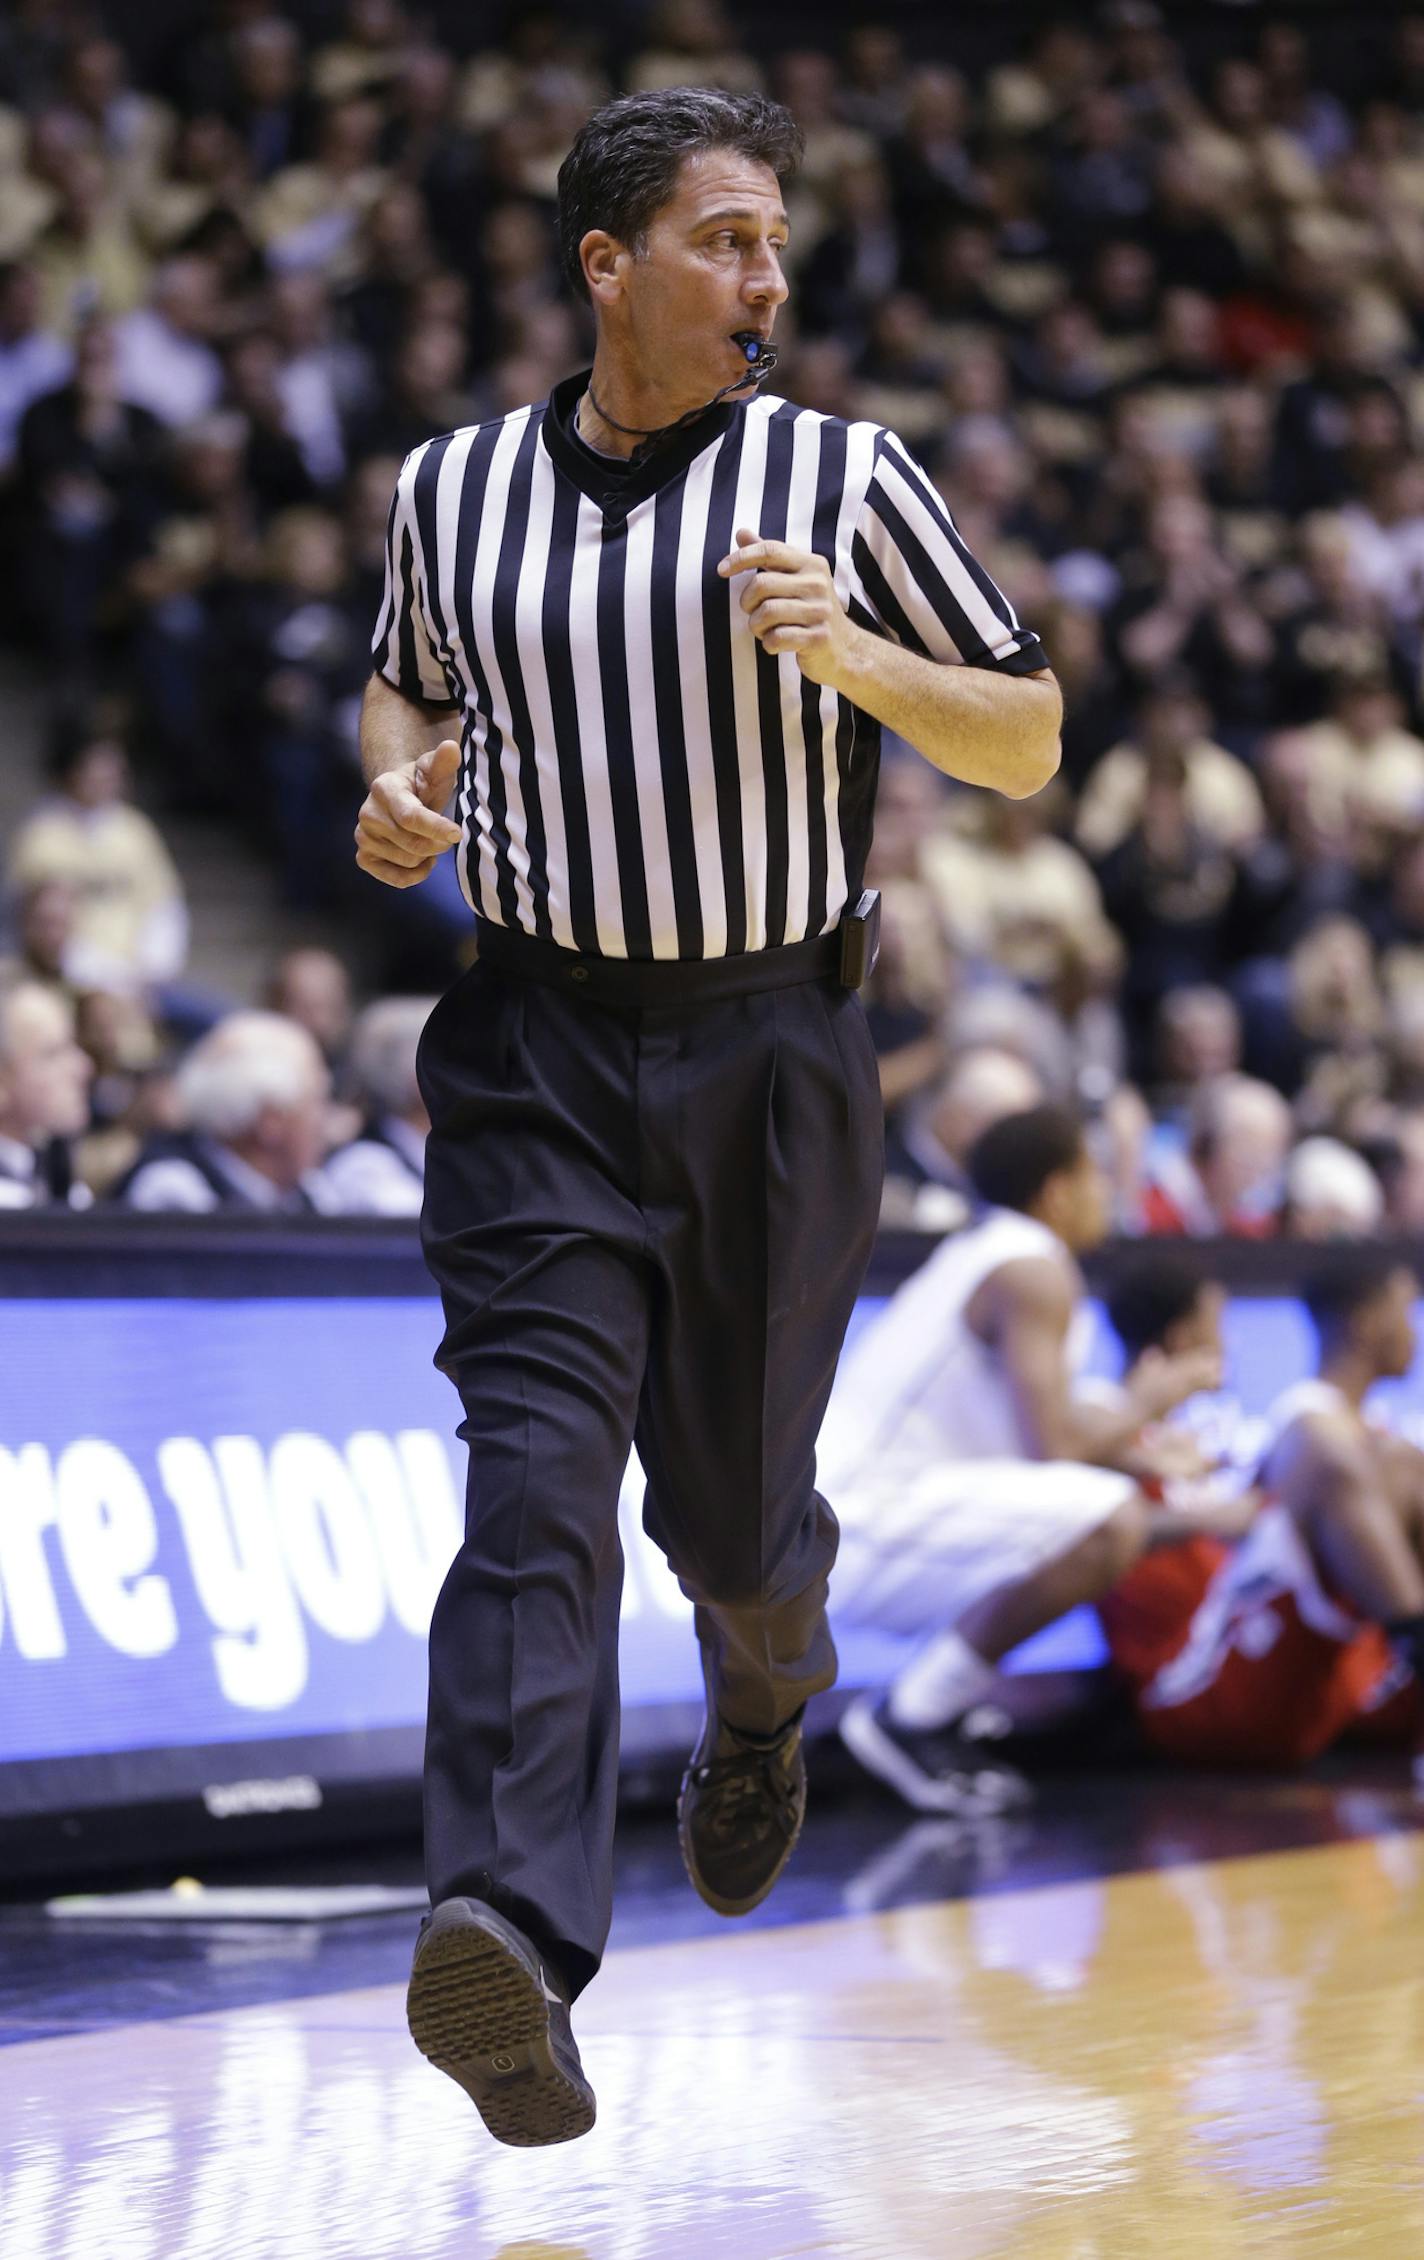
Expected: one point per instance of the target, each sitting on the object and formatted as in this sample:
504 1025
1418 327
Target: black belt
644 982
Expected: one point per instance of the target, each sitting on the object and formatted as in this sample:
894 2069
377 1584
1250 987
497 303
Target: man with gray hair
44 1097
382 1172
253 1094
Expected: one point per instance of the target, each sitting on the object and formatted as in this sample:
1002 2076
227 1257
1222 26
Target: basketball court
926 2048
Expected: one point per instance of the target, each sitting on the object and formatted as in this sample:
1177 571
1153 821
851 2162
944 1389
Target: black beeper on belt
860 940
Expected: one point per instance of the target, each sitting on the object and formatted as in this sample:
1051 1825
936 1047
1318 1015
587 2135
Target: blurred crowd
1144 293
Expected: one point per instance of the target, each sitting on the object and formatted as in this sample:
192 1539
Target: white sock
942 1681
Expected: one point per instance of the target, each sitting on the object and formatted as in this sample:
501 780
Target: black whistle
760 352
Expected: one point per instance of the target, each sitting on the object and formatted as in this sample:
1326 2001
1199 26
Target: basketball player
979 1497
1316 1622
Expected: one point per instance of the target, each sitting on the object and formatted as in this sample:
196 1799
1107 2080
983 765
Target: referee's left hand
791 603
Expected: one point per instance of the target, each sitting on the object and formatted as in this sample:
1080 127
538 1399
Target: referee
655 623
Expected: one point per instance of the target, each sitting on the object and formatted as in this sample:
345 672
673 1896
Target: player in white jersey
979 1498
1316 1623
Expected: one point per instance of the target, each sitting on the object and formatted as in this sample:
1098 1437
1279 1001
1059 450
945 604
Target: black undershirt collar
616 483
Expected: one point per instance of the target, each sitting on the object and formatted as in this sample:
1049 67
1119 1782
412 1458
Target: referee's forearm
393 731
984 728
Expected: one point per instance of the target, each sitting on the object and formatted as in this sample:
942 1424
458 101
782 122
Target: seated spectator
166 361
88 259
201 547
1197 1038
928 1144
1364 764
45 918
1229 1179
87 467
131 923
1331 1193
979 1498
253 1097
303 662
1221 795
44 1099
1186 606
1167 887
1316 1622
313 988
1311 1020
381 1172
1330 626
1394 1150
33 360
1015 894
131 1098
310 213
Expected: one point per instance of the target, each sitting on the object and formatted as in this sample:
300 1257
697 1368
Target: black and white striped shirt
640 778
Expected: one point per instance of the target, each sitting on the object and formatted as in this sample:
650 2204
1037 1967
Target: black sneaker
739 1813
483 2008
945 1769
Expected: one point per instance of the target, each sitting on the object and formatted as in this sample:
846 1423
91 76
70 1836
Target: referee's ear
605 264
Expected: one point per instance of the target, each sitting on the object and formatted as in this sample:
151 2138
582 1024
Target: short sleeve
921 583
403 650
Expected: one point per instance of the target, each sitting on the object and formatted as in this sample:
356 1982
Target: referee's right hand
400 833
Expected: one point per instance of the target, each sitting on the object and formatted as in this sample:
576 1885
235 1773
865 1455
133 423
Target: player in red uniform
1315 1623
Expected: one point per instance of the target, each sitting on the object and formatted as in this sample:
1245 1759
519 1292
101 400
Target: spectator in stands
87 466
1365 765
1229 1180
165 357
1395 1151
1198 1037
130 927
1013 893
1331 1193
44 921
1171 724
302 662
928 1145
253 1097
381 1172
44 1095
1167 888
88 259
33 359
201 548
313 987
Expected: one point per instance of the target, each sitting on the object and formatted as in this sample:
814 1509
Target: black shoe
483 2008
945 1769
739 1813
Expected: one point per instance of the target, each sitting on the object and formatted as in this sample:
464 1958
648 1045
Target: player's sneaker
739 1813
944 1769
483 2007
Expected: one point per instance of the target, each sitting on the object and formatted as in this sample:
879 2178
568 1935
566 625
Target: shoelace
743 1795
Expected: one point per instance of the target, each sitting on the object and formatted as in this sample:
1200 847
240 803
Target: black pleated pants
647 1225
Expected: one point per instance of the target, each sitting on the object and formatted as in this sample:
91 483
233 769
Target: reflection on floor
1215 2056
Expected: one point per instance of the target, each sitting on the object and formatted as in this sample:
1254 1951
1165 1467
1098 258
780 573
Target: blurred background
1142 286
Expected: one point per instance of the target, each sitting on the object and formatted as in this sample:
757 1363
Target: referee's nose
763 283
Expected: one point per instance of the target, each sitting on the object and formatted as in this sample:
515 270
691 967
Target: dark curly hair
625 159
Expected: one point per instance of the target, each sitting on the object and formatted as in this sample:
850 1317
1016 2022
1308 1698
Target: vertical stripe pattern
640 778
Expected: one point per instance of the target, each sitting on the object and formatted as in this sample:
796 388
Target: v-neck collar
618 493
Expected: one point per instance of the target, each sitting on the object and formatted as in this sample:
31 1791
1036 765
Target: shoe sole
477 2011
873 1749
731 1908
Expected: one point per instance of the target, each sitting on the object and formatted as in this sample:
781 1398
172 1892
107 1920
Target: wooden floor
1210 2062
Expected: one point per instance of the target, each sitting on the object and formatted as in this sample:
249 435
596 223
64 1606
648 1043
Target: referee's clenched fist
791 603
400 833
